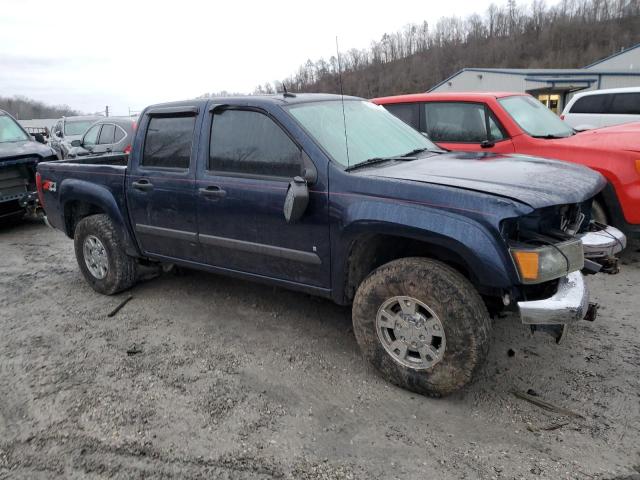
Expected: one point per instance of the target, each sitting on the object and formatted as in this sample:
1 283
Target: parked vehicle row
68 129
519 124
109 135
336 197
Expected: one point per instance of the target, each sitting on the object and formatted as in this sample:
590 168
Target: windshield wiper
373 161
550 136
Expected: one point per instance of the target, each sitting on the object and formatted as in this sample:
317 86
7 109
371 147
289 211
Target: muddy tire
422 325
598 213
101 256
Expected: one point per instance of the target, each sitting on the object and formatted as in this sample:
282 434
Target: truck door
465 126
161 184
246 167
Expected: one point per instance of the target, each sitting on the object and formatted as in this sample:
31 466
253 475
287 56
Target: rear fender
88 193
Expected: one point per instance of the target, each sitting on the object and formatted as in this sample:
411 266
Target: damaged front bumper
568 305
601 245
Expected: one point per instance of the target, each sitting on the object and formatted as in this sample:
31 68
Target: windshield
78 127
371 131
10 131
534 118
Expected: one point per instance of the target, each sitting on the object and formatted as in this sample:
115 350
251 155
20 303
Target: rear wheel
422 324
101 257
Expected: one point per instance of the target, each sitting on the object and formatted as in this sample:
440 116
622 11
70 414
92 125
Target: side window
106 135
168 142
120 134
248 142
625 104
91 137
460 122
591 104
497 133
407 112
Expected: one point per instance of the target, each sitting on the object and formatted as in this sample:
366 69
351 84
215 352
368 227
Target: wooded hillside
24 108
570 34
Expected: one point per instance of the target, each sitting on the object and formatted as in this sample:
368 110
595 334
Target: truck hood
27 148
617 137
531 180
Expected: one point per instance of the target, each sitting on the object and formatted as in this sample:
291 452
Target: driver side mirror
76 143
58 133
39 138
297 199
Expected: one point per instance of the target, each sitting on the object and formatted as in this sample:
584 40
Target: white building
552 86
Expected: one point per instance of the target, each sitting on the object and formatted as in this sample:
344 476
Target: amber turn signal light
528 263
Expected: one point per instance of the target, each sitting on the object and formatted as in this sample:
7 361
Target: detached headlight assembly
547 262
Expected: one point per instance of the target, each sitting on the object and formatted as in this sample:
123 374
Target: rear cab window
168 142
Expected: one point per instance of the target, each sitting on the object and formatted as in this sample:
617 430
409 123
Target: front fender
482 252
75 190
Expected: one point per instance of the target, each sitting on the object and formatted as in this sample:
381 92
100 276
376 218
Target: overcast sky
130 53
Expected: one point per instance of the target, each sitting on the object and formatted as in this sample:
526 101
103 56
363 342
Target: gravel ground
238 380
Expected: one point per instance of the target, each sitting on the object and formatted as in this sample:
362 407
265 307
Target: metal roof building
552 86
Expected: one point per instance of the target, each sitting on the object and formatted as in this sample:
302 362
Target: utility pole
106 109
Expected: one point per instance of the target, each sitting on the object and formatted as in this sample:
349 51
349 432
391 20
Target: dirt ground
238 380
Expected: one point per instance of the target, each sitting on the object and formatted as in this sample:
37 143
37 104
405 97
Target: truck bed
99 177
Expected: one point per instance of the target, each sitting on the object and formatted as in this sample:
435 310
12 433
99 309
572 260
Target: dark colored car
109 135
68 129
343 200
19 155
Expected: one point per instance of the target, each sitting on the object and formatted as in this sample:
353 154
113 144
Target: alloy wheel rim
95 257
410 332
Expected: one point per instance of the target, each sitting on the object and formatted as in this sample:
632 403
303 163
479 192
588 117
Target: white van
601 108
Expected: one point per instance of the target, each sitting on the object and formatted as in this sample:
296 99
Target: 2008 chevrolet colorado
343 200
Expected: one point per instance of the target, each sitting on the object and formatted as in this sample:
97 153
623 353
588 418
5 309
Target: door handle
143 185
212 191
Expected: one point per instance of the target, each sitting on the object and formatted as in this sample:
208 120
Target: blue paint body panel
244 233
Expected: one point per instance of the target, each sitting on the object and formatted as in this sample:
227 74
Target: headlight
548 262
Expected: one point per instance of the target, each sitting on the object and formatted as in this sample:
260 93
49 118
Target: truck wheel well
370 252
77 210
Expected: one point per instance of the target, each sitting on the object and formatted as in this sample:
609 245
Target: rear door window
168 142
407 112
625 104
106 135
461 122
591 104
247 142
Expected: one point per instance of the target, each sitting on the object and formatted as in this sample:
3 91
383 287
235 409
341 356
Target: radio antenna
344 116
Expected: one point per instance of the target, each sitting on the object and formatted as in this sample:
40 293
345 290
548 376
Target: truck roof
457 96
273 99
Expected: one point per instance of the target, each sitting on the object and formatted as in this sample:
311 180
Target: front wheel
422 325
101 257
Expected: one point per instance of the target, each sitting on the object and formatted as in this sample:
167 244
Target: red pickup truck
517 123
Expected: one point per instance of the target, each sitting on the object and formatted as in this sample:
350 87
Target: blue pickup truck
337 197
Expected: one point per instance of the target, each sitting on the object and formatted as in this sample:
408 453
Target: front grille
14 183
